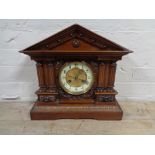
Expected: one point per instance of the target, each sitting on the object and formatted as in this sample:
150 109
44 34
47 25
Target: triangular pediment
76 45
76 38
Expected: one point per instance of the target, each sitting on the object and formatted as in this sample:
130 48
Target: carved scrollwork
63 94
44 98
41 90
102 89
105 98
67 36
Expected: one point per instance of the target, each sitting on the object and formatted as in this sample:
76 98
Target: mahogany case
76 43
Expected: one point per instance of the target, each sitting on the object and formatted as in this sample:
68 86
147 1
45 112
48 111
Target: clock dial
76 78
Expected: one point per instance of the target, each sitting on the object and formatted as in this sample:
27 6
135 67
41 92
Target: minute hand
78 73
84 81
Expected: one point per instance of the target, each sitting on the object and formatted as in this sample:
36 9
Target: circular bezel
69 91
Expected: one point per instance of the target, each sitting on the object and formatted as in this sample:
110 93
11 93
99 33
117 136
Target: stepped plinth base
52 111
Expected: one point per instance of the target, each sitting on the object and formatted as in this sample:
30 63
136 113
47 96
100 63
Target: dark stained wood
80 101
101 75
106 75
78 111
76 32
112 71
83 46
40 72
51 75
59 55
46 78
76 43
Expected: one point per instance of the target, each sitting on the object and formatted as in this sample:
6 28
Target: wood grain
76 43
40 73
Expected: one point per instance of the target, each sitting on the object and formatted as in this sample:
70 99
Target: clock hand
75 76
71 76
78 74
84 81
81 78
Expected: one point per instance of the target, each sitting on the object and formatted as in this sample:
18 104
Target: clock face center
76 78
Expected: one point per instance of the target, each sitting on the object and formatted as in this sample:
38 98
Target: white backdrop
135 79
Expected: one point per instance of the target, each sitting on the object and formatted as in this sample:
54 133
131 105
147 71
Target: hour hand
85 81
71 76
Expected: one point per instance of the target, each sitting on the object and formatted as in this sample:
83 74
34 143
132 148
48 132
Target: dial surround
76 78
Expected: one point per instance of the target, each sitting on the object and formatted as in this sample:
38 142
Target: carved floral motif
63 94
105 98
75 43
44 98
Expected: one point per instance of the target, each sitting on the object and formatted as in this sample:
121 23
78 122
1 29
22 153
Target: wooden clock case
76 43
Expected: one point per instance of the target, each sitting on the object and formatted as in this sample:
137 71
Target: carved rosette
75 43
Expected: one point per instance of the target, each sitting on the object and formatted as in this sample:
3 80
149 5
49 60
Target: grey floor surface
139 118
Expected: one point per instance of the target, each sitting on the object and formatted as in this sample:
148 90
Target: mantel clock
76 74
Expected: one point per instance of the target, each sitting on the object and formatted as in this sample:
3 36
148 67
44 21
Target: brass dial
76 78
